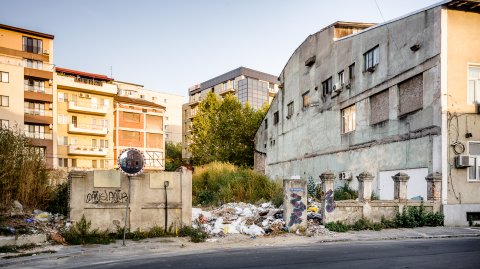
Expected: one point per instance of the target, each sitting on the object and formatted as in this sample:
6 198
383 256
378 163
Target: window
473 84
371 59
348 119
341 78
275 118
5 124
94 163
33 64
290 110
4 100
351 71
102 163
32 45
74 162
474 152
225 86
379 107
34 85
62 119
94 143
154 98
306 99
165 100
63 97
410 93
63 162
63 140
4 77
327 87
133 117
142 96
73 141
266 124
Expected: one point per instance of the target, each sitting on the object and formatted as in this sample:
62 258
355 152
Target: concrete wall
311 140
102 197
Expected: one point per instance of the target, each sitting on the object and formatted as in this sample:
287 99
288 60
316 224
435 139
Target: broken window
348 119
410 95
275 118
379 107
327 87
371 58
306 99
289 110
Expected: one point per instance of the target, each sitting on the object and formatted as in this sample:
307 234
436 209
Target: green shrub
196 235
59 200
80 234
218 183
337 227
345 193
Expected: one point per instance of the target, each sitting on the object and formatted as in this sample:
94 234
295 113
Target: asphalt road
430 253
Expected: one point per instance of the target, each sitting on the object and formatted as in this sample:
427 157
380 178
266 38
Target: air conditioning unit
82 95
463 161
348 85
337 87
345 176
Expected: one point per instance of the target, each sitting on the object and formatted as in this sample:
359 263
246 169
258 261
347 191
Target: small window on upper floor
351 71
473 94
275 118
154 98
266 123
32 45
371 59
306 99
348 119
327 87
4 77
341 77
290 110
5 124
474 152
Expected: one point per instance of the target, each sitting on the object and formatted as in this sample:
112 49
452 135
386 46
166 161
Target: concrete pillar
295 204
328 203
400 181
364 186
434 190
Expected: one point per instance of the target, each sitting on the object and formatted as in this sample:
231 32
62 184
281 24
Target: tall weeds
23 173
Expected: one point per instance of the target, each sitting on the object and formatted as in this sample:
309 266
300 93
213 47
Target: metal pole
166 207
126 211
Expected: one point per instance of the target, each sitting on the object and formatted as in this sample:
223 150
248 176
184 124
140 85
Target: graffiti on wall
329 203
298 208
112 197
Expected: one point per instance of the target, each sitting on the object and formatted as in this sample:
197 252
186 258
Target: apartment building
249 86
172 121
401 96
85 120
139 124
26 94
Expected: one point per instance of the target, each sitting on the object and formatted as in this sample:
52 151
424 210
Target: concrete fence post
295 204
400 181
364 186
328 203
434 190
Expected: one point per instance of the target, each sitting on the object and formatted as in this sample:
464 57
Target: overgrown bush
314 189
218 183
23 172
345 193
58 202
196 235
81 234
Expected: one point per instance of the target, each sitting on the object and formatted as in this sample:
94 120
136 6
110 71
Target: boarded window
379 107
127 135
135 117
154 140
154 123
410 95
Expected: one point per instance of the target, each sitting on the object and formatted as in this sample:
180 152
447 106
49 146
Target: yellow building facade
85 121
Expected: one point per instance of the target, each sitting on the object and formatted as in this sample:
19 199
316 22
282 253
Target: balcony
229 90
87 150
87 129
89 85
87 107
31 88
47 136
38 112
38 116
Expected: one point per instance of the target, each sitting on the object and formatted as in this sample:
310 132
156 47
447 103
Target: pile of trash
18 221
248 219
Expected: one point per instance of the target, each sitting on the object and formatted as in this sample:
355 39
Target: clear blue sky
170 45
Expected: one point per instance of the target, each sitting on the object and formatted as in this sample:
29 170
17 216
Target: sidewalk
180 246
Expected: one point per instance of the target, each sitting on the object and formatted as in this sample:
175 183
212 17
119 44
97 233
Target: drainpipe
165 185
127 207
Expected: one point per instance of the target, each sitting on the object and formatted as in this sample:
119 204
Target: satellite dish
131 162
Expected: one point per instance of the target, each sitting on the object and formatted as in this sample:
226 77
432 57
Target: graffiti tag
329 203
113 197
298 208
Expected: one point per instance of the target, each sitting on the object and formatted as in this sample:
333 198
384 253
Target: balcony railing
87 107
87 150
87 129
18 61
38 135
30 88
88 81
38 112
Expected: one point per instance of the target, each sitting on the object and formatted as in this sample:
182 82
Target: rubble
251 220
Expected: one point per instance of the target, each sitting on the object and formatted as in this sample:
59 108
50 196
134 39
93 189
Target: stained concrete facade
390 112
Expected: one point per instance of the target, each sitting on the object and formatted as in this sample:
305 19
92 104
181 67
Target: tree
224 131
173 156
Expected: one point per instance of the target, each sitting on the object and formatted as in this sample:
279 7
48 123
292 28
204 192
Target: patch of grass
219 183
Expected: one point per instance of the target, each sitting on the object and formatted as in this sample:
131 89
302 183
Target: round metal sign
131 162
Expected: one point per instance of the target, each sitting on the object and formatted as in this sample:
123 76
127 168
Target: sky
169 46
